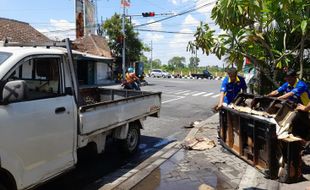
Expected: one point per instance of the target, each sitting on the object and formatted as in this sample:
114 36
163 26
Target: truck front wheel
132 141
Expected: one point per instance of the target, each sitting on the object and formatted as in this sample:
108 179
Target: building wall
102 73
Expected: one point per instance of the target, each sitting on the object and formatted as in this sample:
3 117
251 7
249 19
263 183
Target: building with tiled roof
22 32
93 68
93 44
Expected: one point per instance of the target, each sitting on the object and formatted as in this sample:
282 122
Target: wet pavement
190 169
215 168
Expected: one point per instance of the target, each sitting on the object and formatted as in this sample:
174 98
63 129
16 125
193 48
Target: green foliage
113 29
272 33
193 63
156 64
177 63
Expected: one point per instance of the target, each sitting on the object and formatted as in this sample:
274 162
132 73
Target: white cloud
155 26
177 2
59 29
206 9
190 20
181 40
135 22
153 37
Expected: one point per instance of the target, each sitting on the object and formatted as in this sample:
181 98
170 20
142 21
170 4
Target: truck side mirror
14 91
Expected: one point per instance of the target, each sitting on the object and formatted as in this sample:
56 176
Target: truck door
40 130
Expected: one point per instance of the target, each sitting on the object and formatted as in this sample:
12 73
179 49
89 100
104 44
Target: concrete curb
137 174
194 130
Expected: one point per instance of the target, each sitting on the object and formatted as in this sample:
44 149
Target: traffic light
148 14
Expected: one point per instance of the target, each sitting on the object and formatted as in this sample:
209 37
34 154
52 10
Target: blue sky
52 17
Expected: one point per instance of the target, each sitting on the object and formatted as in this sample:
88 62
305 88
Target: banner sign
90 17
125 3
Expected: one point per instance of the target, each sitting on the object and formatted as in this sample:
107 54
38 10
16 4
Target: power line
160 31
179 14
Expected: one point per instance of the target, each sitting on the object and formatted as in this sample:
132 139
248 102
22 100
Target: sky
56 19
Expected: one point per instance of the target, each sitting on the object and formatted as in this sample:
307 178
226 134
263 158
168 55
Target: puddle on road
170 177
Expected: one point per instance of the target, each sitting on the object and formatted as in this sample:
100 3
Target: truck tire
132 141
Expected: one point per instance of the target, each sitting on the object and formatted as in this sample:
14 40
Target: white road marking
209 94
200 93
182 92
174 99
186 94
172 91
217 95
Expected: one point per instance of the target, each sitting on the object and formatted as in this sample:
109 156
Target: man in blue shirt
231 86
294 89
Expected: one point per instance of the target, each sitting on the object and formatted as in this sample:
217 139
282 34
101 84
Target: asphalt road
183 101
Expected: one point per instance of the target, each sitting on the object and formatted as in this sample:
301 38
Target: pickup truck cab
45 117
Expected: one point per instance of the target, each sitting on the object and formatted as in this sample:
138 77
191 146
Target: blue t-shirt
231 89
300 90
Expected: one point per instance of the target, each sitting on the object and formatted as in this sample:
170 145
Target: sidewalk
215 168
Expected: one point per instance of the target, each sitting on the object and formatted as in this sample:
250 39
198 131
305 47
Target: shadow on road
93 171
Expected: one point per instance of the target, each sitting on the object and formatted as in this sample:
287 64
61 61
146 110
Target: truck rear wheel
132 141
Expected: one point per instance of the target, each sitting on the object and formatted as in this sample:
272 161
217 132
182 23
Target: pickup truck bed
110 108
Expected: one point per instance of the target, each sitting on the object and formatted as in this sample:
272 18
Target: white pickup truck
45 117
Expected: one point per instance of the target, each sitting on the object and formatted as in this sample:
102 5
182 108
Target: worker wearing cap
297 91
294 89
231 86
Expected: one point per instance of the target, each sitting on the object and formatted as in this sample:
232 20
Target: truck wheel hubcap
132 139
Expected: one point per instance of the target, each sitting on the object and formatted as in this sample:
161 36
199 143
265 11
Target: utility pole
196 62
123 52
151 55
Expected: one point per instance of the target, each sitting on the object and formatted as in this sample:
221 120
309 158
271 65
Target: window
42 77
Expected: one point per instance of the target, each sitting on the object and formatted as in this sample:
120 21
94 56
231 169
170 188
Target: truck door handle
60 110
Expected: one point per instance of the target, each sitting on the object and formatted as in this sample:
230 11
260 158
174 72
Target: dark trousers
301 125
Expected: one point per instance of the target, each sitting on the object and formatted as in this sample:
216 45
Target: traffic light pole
151 55
123 51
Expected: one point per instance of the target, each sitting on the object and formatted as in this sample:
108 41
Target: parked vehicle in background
160 73
204 74
46 117
166 74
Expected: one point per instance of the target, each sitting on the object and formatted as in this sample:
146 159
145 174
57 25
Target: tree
177 63
156 63
113 29
272 33
193 63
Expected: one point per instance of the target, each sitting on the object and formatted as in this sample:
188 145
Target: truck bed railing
93 97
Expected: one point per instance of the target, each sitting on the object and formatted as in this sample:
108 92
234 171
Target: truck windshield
4 56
